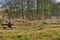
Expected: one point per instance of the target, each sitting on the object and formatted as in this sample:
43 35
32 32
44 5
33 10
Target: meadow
45 16
44 31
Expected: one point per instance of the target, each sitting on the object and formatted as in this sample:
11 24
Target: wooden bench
9 25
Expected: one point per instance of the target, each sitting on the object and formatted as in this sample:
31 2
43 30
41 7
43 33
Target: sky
57 1
3 1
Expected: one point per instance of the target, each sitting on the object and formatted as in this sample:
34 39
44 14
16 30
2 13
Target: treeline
32 9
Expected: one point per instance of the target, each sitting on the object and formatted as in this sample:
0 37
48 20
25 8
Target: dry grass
19 34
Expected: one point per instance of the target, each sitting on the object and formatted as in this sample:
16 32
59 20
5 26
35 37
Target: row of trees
32 9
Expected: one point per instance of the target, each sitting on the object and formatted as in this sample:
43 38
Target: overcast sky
2 2
57 0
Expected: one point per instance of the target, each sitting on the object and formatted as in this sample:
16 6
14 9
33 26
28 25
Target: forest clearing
29 19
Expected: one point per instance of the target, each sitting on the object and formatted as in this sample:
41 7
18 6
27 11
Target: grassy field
42 32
